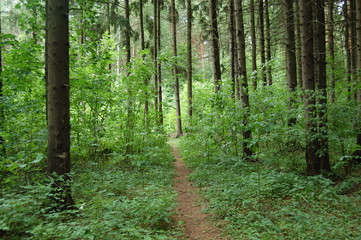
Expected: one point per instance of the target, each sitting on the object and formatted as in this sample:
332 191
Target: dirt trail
197 224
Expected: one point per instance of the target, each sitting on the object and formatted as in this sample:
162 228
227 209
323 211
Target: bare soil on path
197 225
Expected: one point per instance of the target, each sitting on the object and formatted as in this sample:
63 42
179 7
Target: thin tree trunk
290 52
215 45
261 41
189 58
142 46
127 32
155 55
357 153
2 115
242 71
58 102
353 20
108 25
268 43
175 71
254 46
323 159
298 44
331 48
232 47
347 48
159 68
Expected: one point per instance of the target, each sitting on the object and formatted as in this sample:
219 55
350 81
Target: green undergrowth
116 199
258 201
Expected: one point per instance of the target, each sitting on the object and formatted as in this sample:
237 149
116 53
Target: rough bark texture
159 68
242 71
58 101
353 38
2 115
268 43
232 47
306 7
323 160
189 58
358 83
347 48
127 31
290 52
155 56
254 46
261 41
142 46
298 44
331 48
175 71
215 45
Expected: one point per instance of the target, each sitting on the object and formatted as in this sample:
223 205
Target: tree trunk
159 68
261 41
254 46
232 47
175 71
347 48
146 81
298 44
127 32
2 116
58 102
353 32
242 71
290 52
331 48
215 45
268 43
189 58
155 56
323 159
316 150
357 153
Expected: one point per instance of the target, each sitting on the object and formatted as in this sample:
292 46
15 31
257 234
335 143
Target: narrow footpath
197 225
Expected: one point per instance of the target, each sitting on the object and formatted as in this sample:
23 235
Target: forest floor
197 224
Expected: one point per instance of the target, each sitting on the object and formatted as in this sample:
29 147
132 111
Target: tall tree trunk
268 43
357 153
331 48
242 71
261 41
290 52
353 33
127 32
316 146
2 115
347 48
232 47
175 71
254 46
159 68
155 56
189 58
58 101
146 81
215 45
108 25
298 44
323 159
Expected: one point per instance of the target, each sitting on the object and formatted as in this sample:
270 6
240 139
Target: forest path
197 225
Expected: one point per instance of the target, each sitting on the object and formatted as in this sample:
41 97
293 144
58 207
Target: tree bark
189 58
232 47
357 153
254 46
298 44
323 159
347 48
353 34
155 56
215 45
175 71
2 115
242 71
331 48
58 102
146 81
159 68
268 43
290 52
127 32
261 41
